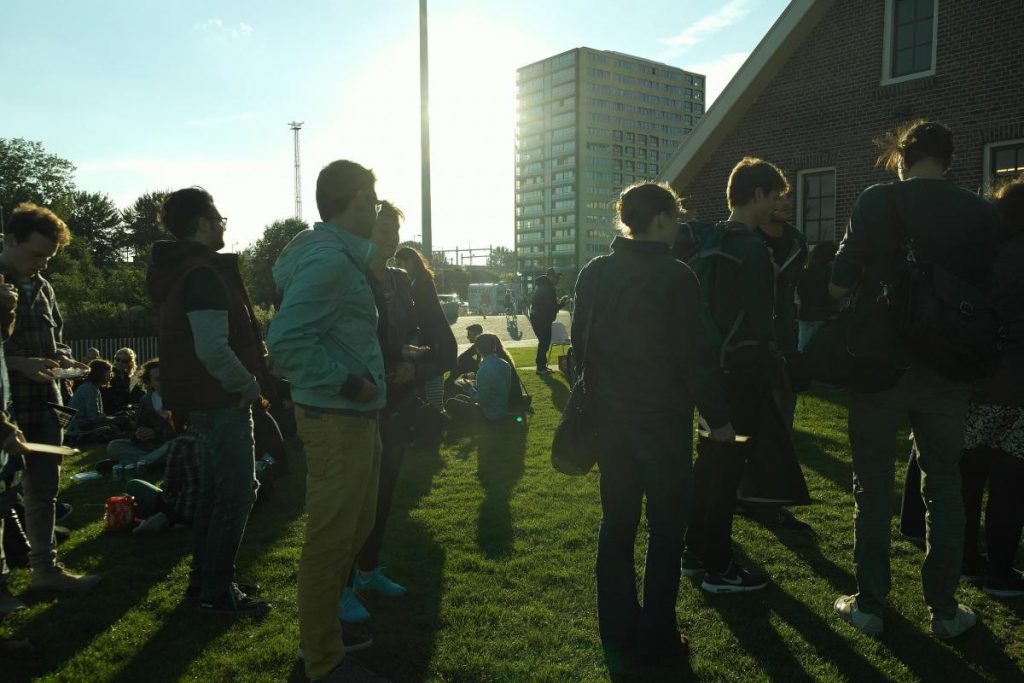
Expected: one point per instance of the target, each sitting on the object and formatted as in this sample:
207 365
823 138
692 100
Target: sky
144 95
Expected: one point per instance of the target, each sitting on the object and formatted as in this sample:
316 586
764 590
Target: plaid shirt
181 476
37 334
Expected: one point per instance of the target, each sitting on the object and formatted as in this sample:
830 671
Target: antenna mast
296 126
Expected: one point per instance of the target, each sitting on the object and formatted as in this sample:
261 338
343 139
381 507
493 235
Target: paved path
495 324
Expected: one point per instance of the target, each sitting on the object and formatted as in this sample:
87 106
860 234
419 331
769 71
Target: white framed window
816 204
910 42
1003 160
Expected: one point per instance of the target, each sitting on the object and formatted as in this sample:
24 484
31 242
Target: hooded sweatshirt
324 337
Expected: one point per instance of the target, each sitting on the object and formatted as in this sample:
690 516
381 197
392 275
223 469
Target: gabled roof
774 50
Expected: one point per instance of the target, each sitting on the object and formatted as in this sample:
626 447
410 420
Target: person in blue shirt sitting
489 399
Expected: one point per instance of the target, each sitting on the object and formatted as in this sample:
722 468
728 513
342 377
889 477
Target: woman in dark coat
435 331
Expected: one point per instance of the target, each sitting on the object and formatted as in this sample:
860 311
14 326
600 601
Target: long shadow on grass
748 617
559 390
405 630
184 632
930 659
501 461
71 625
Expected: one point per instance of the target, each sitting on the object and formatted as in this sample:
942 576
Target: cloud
223 120
216 28
727 15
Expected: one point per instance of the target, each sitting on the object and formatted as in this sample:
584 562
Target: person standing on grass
638 334
957 229
324 339
741 304
435 330
995 416
816 304
787 250
397 331
544 307
35 351
213 362
12 446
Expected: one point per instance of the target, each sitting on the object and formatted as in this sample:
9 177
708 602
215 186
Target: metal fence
144 347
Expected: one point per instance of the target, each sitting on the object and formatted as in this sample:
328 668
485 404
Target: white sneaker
846 608
964 619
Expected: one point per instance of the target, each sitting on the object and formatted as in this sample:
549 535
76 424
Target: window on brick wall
911 29
816 204
1003 160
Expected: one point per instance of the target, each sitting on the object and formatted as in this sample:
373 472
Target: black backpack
947 322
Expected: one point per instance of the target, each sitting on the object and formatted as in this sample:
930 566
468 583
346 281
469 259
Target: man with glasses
324 338
213 363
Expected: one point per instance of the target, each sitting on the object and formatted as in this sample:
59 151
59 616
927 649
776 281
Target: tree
262 255
94 217
141 227
29 174
502 259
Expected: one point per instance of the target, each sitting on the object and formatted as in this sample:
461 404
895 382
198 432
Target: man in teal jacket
324 338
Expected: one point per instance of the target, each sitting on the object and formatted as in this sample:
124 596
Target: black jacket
645 354
544 303
816 303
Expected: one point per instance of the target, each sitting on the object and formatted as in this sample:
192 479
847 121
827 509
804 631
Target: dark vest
186 385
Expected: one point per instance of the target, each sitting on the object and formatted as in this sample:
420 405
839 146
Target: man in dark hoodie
213 359
740 299
544 308
787 250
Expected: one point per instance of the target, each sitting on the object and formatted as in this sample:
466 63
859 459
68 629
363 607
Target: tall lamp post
428 242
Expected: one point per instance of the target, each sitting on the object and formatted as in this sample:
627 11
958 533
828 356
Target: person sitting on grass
518 400
489 398
153 428
90 424
122 392
175 504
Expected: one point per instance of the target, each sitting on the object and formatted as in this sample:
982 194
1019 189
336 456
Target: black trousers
639 461
716 475
1004 518
542 328
394 437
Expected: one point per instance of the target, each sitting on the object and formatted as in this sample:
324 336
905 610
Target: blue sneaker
350 610
376 582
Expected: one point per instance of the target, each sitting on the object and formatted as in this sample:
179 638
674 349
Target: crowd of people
681 318
721 317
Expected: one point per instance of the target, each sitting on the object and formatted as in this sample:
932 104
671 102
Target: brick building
830 76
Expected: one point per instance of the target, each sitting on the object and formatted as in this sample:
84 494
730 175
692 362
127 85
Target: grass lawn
497 551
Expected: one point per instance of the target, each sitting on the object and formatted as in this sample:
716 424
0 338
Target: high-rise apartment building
591 122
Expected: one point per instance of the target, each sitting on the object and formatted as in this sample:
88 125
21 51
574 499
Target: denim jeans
936 408
639 460
40 482
227 491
